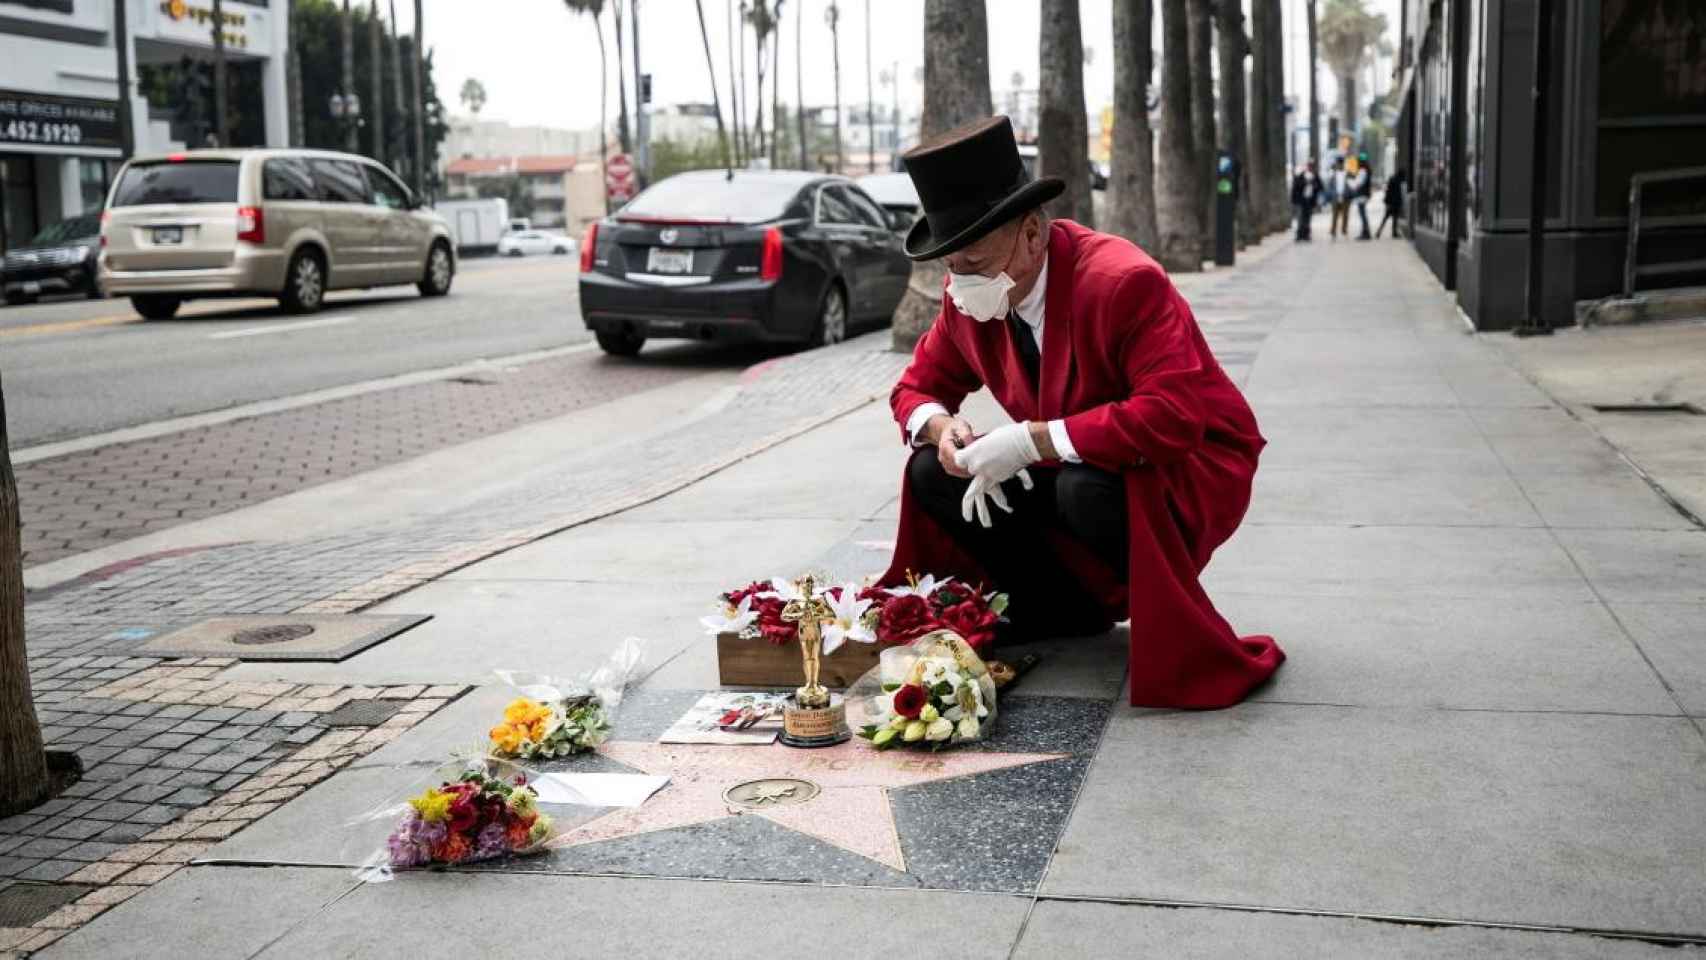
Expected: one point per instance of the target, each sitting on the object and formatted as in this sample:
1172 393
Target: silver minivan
290 224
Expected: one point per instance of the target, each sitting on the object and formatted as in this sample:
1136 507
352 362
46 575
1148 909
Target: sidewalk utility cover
285 637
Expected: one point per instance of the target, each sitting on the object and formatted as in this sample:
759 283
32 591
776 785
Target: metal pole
221 128
346 85
376 64
420 108
121 40
1534 318
642 149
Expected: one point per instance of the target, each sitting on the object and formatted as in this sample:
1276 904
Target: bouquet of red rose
893 615
935 693
478 817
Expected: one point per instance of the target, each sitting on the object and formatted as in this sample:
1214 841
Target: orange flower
454 849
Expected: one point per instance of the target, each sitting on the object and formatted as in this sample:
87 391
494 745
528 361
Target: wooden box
759 663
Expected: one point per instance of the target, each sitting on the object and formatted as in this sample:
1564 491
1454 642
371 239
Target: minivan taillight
589 243
251 227
770 265
106 218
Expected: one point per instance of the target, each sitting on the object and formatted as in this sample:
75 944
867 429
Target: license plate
669 261
168 234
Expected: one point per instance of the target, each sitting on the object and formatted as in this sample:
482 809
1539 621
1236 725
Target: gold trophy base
823 726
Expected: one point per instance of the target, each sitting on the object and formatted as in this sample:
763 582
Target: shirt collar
1030 309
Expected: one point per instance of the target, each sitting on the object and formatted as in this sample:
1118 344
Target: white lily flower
849 622
731 622
786 590
967 727
939 729
923 588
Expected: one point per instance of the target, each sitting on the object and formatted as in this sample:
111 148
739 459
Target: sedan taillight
770 265
251 226
589 242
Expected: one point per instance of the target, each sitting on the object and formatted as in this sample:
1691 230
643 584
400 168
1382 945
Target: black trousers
1085 503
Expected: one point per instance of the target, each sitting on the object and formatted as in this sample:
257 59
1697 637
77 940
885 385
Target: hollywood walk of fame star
851 811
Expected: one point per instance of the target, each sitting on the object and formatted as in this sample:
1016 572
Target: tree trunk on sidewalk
1062 128
1201 36
621 83
1264 154
1279 186
1314 95
1180 183
711 75
1232 48
1131 182
956 91
23 763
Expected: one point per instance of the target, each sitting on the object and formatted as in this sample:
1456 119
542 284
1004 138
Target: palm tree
1348 32
1131 183
1314 96
800 87
956 73
832 16
1062 132
1279 184
594 8
346 85
23 763
870 100
763 23
1201 33
1233 46
1262 158
734 86
374 56
1181 181
399 149
621 83
711 73
775 85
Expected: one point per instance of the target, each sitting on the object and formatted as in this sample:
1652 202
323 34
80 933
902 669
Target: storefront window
1473 110
18 221
1652 101
93 179
1433 142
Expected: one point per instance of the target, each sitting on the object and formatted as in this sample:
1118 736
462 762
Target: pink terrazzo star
852 811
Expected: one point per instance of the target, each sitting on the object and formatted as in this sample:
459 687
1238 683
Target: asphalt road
77 367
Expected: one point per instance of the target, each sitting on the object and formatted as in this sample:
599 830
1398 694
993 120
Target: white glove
979 494
1000 453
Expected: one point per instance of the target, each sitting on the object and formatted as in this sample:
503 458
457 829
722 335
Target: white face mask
979 297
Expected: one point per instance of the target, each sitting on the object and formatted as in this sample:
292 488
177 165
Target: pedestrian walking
1338 195
1362 187
1305 195
1396 186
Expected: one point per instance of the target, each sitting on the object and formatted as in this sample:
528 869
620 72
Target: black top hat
970 181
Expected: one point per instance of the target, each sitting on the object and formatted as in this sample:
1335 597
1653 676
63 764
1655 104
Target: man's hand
950 434
999 454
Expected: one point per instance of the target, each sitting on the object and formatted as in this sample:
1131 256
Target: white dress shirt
1030 310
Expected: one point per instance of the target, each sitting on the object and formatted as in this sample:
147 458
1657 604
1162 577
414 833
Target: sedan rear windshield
187 181
742 200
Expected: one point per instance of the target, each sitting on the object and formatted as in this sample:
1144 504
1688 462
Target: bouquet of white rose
934 692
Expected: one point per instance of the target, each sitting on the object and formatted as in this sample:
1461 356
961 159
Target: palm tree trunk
419 118
621 84
1180 181
1263 100
870 98
956 74
1314 96
1232 47
835 48
1062 132
1131 183
603 110
376 60
800 86
734 87
758 74
1279 190
221 115
346 83
711 73
1201 32
776 87
398 150
23 763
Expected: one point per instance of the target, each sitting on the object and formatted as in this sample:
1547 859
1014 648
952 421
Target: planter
758 663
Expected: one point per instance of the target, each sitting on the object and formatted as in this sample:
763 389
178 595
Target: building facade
537 187
60 139
1627 95
470 138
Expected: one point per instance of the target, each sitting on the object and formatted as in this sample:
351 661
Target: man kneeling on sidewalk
1132 454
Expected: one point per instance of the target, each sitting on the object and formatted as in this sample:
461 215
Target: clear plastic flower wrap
933 692
553 718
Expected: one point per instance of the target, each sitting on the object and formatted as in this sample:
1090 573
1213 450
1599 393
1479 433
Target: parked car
896 194
534 241
60 259
778 256
290 224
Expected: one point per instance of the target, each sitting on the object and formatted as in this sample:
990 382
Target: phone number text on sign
31 131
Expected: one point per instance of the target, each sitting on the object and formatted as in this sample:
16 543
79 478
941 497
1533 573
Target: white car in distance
520 243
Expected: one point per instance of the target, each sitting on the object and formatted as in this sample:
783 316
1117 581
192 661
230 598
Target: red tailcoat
1125 365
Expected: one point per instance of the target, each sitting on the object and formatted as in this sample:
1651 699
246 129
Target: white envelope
596 789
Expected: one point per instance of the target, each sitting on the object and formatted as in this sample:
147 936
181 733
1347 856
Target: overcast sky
539 63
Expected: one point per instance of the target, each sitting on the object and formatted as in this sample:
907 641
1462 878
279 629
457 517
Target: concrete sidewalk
1489 739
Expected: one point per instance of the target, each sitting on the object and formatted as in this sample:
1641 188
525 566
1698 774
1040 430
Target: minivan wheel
304 283
831 325
620 343
436 282
156 306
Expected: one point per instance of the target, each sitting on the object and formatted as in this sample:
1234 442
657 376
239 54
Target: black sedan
768 256
60 259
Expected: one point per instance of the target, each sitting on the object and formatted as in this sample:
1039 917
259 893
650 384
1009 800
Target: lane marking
262 331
